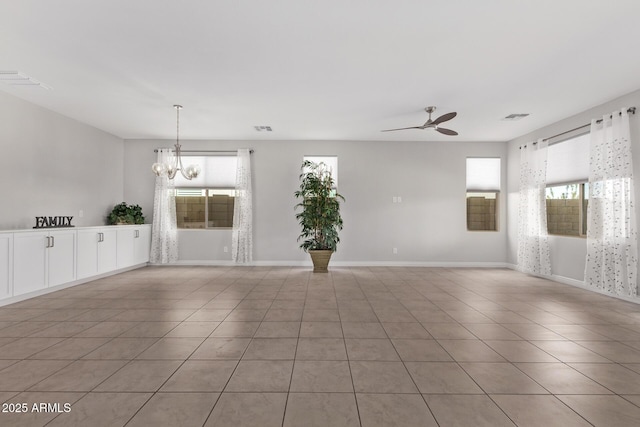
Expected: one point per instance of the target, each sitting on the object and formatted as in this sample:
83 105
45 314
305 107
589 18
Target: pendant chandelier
171 167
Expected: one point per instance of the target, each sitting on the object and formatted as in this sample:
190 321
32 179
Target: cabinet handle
137 234
100 237
48 242
53 242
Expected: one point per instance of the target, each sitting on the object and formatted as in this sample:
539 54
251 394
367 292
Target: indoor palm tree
320 215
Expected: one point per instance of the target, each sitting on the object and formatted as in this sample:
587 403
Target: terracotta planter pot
320 260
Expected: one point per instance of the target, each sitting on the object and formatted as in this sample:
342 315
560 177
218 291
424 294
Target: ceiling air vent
263 128
515 116
18 78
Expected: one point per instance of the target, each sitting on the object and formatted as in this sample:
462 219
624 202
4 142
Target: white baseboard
197 263
441 264
578 284
45 291
342 264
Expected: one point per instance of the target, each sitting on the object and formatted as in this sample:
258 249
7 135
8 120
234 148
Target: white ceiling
322 70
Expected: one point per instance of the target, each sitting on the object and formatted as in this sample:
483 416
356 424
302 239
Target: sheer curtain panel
612 247
164 234
533 244
242 238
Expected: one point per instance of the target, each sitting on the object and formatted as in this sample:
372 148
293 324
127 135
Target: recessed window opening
483 189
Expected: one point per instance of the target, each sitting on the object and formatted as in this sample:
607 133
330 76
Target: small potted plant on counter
126 214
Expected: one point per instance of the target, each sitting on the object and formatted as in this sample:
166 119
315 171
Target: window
208 200
483 188
204 208
567 192
567 209
330 161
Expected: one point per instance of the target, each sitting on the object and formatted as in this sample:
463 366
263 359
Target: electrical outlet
395 251
399 199
395 199
225 249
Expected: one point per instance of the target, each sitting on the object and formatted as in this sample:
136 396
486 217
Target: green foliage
123 213
572 191
320 203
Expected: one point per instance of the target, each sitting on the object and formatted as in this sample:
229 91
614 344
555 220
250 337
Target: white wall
52 165
429 226
568 254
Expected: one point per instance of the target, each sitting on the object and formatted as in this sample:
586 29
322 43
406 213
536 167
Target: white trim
22 297
568 281
216 263
576 283
447 264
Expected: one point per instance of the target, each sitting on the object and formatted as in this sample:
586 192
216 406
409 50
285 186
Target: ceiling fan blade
413 127
444 118
446 131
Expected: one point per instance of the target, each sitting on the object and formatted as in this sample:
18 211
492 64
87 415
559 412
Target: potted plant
320 215
126 214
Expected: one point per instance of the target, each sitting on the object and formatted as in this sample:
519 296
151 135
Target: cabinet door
142 245
6 264
87 259
62 256
108 250
29 261
126 237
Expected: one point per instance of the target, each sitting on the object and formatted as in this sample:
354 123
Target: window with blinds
483 189
207 201
567 192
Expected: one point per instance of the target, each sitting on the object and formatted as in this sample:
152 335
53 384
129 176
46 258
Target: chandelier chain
172 167
178 107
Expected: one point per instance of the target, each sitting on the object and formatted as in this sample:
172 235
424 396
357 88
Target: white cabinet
142 245
6 264
29 261
42 259
34 260
126 235
97 251
134 244
108 250
61 263
87 260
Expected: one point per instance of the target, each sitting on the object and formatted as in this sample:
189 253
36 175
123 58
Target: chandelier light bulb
158 168
192 171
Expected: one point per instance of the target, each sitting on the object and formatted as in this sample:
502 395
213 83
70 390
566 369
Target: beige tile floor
261 346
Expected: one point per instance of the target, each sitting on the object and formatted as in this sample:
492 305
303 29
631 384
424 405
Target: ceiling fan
433 124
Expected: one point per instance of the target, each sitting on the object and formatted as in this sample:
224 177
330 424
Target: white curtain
612 249
164 235
533 244
242 239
